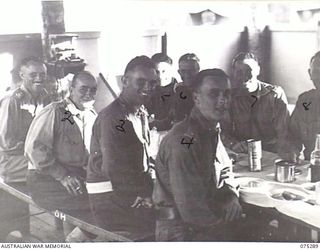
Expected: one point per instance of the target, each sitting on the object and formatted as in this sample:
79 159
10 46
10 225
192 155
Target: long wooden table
296 227
123 236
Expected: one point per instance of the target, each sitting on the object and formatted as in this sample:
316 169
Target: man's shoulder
53 107
111 110
181 133
310 94
275 89
111 114
16 94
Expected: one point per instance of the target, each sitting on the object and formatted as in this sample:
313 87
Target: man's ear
195 96
124 80
309 72
21 74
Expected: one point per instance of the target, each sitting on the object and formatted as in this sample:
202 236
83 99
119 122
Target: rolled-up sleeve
39 145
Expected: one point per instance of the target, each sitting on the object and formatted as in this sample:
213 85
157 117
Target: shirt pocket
73 136
71 149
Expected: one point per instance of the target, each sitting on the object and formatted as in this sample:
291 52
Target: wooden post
318 35
164 44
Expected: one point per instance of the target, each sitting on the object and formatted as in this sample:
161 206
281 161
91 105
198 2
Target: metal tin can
284 171
255 155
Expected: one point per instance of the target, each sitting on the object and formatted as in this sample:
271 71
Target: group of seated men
99 166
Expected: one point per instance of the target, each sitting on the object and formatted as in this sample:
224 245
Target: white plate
250 182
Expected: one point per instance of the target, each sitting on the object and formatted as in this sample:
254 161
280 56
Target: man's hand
240 147
144 202
232 209
72 184
151 118
291 156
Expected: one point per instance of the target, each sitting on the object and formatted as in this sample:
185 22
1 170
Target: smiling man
17 110
118 183
193 193
163 97
57 147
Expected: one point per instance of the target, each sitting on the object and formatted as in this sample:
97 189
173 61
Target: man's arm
227 135
294 135
281 120
39 145
9 114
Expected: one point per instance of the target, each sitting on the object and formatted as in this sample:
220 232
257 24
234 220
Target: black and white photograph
158 121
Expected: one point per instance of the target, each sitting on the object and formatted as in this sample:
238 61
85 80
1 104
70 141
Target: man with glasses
118 181
57 147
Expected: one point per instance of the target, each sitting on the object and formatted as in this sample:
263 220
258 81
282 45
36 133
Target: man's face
165 73
83 91
188 70
243 72
139 83
314 72
33 76
213 98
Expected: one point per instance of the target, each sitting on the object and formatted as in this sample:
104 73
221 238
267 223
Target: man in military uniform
118 184
188 69
17 111
57 147
194 192
162 100
305 119
258 110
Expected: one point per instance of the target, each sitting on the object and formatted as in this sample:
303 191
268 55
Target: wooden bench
88 226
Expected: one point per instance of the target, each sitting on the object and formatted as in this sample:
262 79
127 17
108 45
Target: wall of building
290 55
13 48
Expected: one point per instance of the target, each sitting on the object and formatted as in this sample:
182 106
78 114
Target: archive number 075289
311 245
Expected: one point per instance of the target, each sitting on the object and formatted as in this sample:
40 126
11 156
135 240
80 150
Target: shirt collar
30 98
125 106
74 110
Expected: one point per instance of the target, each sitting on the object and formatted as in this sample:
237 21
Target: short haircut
143 61
81 75
316 55
161 57
243 56
216 73
27 60
189 57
